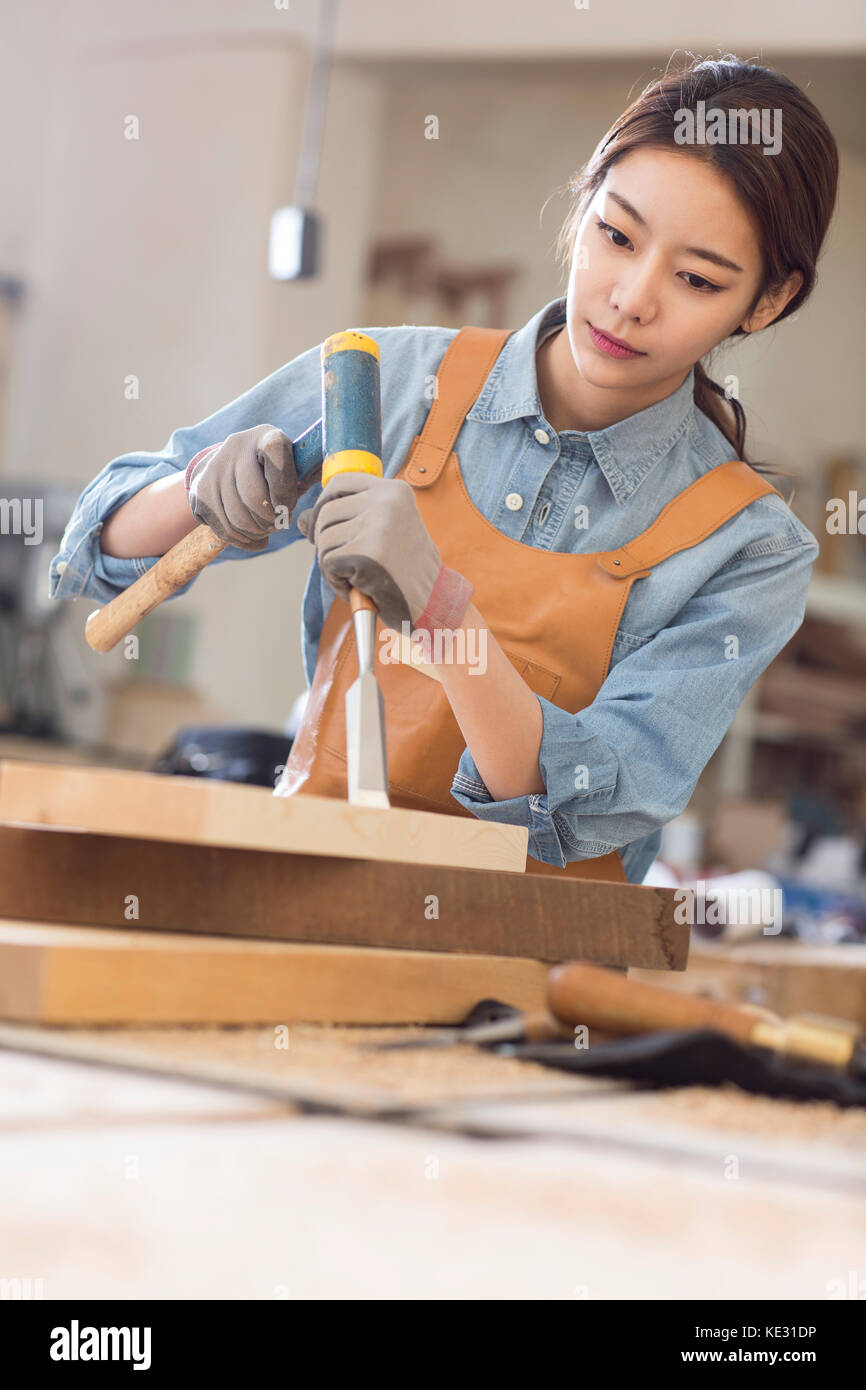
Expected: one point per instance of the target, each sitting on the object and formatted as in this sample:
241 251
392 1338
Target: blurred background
148 258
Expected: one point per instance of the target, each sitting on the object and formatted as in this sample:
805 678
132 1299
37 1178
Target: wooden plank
97 880
197 810
70 974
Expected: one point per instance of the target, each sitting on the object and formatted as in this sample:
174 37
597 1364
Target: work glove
237 486
369 535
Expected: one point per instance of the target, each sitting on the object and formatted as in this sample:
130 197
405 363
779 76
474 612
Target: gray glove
369 535
237 487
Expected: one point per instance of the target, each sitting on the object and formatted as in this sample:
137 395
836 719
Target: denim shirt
673 686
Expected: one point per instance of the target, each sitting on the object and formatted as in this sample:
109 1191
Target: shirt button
542 436
61 567
514 501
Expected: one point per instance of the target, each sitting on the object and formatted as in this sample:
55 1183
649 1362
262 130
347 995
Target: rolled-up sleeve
290 399
620 769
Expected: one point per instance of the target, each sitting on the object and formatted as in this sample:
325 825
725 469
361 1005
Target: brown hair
790 195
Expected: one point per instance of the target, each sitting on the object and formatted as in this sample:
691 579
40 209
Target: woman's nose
635 294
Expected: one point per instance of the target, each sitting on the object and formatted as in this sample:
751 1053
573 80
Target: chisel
612 1006
578 993
352 443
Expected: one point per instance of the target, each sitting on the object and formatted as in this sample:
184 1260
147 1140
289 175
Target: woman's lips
609 347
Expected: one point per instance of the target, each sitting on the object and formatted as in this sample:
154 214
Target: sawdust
727 1107
333 1062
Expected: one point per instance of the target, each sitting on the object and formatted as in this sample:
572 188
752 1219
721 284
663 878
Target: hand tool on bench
347 438
659 1037
598 998
613 1006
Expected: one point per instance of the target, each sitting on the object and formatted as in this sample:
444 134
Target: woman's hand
247 486
369 535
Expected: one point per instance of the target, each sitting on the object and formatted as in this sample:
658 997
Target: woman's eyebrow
689 250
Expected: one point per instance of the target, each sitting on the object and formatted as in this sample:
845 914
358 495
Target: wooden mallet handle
183 562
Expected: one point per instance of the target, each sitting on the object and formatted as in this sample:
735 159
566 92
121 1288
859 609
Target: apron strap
695 513
464 368
699 510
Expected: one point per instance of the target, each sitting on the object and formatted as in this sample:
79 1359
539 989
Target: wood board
198 810
72 974
64 876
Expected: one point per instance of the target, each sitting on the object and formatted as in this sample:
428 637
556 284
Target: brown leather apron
523 594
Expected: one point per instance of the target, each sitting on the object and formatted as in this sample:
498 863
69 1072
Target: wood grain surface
97 880
198 810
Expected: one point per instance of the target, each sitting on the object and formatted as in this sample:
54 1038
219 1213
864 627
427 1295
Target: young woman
575 503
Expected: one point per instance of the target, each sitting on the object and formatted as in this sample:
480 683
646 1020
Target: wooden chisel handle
599 998
176 567
358 602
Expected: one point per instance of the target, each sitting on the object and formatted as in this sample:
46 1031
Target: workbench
300 1163
449 1174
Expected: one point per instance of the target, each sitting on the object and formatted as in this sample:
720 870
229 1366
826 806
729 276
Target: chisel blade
365 743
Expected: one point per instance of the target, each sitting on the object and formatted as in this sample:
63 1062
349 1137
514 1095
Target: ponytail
712 398
709 396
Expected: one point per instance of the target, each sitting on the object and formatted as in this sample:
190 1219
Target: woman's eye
704 284
605 227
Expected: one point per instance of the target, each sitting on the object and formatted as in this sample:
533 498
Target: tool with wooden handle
107 626
352 443
598 998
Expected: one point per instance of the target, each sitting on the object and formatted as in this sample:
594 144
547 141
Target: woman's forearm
498 714
150 522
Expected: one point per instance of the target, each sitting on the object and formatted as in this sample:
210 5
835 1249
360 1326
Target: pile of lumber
127 897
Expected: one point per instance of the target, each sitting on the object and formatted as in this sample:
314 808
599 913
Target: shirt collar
625 452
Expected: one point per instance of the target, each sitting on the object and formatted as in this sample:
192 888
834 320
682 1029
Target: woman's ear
770 306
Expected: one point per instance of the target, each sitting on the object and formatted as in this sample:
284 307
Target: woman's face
672 274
